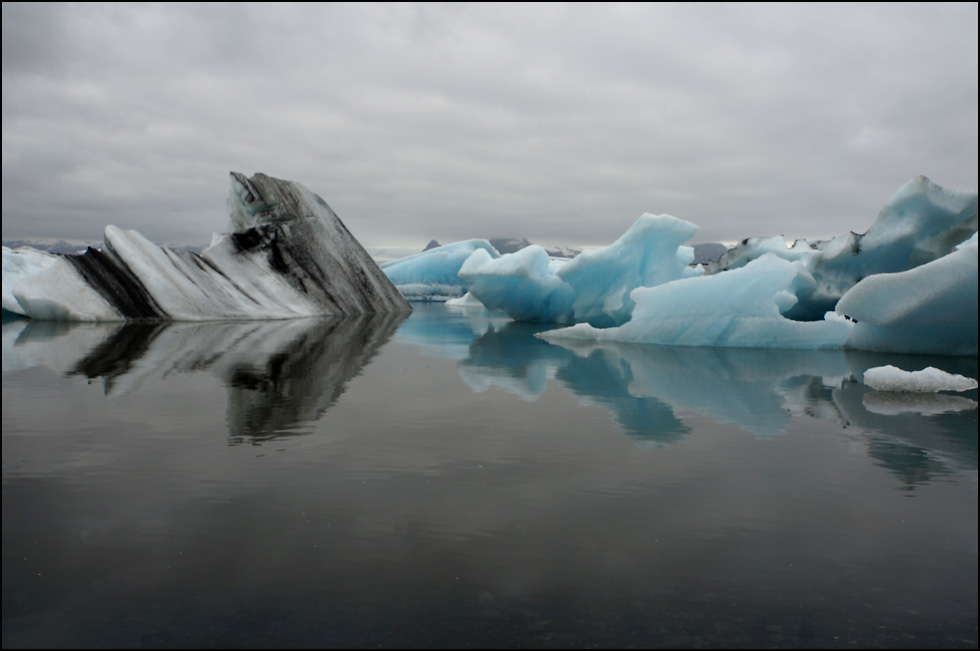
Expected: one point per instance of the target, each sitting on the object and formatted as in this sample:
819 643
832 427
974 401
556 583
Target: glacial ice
18 264
921 222
741 308
593 287
928 380
433 275
929 309
753 299
288 255
908 285
520 284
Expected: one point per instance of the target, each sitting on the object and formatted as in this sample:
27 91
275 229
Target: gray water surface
451 480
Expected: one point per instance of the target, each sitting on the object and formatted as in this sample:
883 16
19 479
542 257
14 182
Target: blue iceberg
594 287
433 275
741 308
920 223
929 309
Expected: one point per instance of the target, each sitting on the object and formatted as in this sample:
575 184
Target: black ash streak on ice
337 275
288 255
119 288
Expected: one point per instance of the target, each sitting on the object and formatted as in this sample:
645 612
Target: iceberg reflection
280 376
650 391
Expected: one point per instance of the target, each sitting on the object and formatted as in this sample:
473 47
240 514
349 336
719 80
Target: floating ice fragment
928 380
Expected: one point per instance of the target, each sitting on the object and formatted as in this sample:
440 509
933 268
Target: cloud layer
556 123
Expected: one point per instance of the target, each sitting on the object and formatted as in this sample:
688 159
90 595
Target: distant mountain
513 244
53 246
62 247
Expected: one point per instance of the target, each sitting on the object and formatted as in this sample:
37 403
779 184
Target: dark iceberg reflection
280 376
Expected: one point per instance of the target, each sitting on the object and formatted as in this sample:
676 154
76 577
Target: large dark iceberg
286 255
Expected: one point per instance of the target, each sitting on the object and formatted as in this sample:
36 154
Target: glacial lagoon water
451 480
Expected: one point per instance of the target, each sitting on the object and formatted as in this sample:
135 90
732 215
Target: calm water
450 480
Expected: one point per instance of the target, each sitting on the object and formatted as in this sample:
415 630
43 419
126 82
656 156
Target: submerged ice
286 255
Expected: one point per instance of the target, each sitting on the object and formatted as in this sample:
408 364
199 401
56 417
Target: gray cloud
561 124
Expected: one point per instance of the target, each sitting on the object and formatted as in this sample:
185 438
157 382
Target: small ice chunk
466 300
928 380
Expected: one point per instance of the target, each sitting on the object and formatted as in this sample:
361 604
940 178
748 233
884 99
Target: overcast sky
560 123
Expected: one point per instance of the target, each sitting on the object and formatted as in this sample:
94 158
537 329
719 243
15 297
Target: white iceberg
928 380
18 264
288 255
433 275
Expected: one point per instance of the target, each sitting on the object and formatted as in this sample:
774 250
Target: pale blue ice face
434 274
929 309
921 222
595 286
741 308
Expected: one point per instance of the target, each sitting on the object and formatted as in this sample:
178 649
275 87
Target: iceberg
929 309
18 264
908 285
433 275
286 255
920 223
928 380
523 285
742 308
594 287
